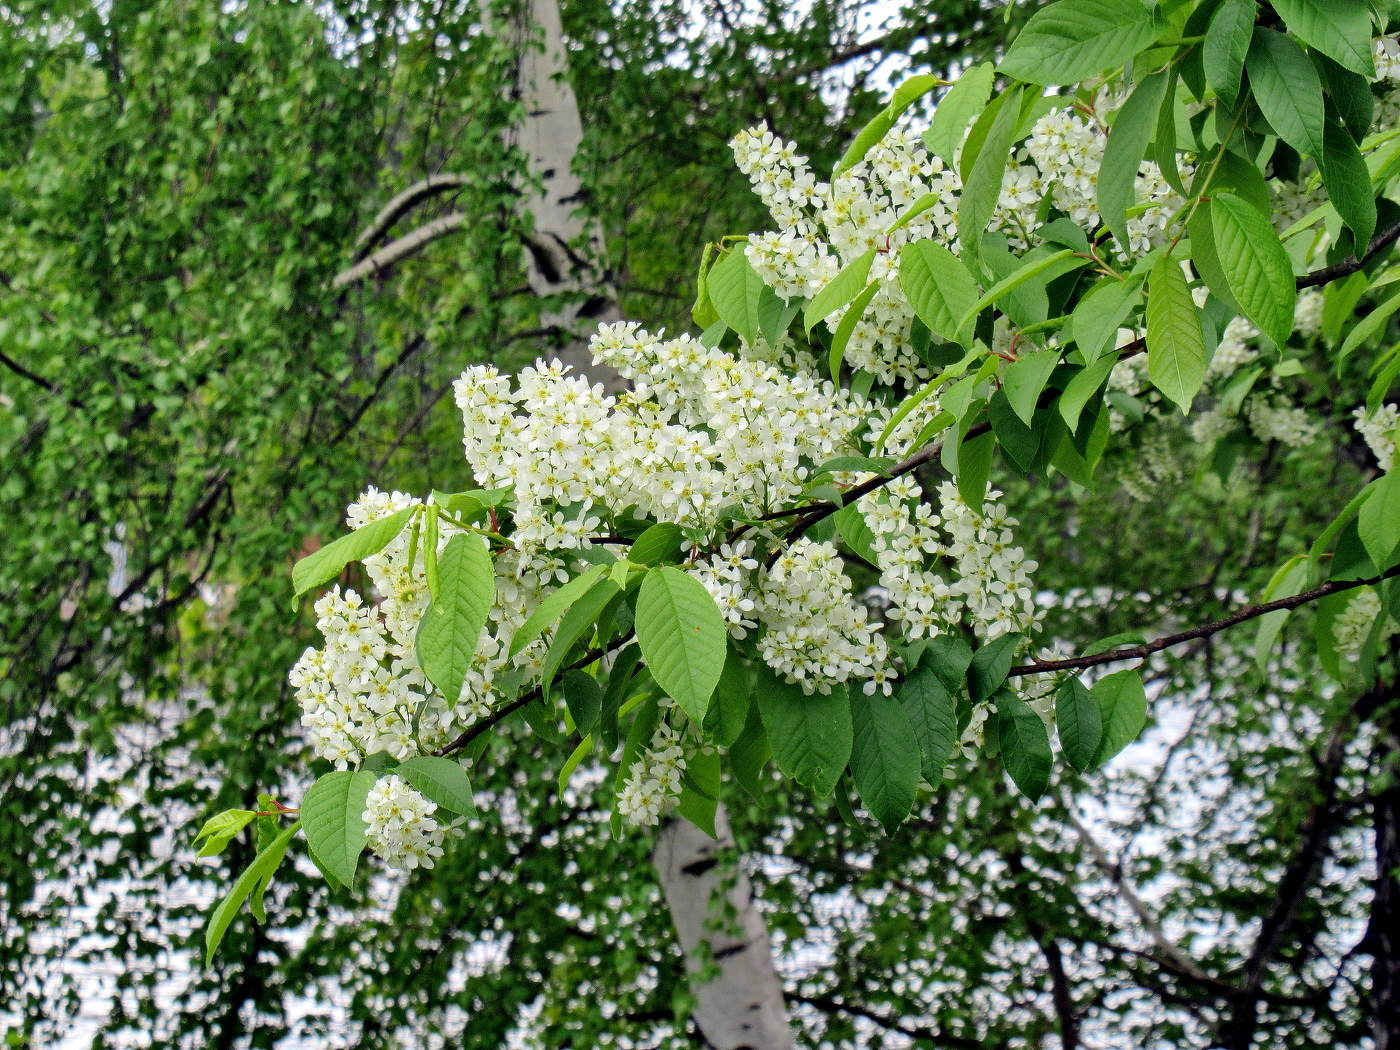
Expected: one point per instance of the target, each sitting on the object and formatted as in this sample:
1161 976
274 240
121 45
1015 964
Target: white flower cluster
399 825
994 580
1379 431
1354 623
653 785
1064 152
1236 348
727 575
816 635
1273 419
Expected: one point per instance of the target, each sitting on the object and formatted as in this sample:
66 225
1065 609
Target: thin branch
940 1039
1173 956
399 249
1346 268
19 370
398 206
1141 652
501 713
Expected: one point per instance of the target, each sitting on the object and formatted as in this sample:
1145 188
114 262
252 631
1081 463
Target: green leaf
1073 40
1378 522
974 465
576 624
1037 268
1350 95
1025 378
947 656
982 187
330 561
1080 722
1290 578
553 606
1340 29
1086 383
905 95
1123 710
702 312
1017 439
451 626
1025 745
220 830
659 543
956 109
847 325
1097 317
1374 321
584 698
839 291
333 814
1225 46
699 799
939 289
987 671
749 754
682 636
1256 266
439 780
729 707
1348 182
1288 90
1122 156
850 523
264 864
576 756
735 289
1176 348
884 759
932 715
811 736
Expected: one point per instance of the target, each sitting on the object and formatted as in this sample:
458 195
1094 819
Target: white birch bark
742 1007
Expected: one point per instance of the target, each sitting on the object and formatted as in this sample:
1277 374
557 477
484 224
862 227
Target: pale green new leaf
682 636
904 96
1176 348
847 325
955 110
839 291
451 626
1025 378
264 864
735 291
982 186
220 829
1073 40
577 623
553 606
939 289
328 562
1122 156
1290 578
1099 314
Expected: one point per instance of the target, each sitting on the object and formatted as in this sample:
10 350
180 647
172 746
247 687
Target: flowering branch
1141 652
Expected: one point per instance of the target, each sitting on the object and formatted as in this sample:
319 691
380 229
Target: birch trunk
742 1007
564 247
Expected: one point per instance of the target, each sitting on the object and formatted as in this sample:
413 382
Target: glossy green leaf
1100 313
1123 710
884 759
956 109
450 629
1225 46
578 623
1340 29
1025 378
839 291
987 671
932 715
1079 722
659 543
1348 182
1256 266
1025 745
682 636
735 290
1378 522
1287 88
982 186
